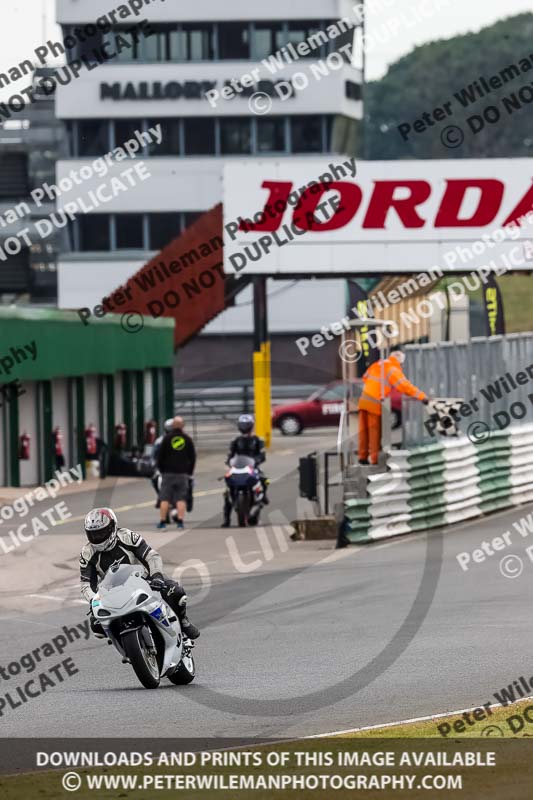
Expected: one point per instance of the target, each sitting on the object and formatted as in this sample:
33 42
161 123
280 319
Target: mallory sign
396 216
180 90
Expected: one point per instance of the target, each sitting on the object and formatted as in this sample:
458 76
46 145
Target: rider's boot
189 630
96 627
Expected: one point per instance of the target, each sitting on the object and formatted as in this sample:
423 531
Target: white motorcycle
143 628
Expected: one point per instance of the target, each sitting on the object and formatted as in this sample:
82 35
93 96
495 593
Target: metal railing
489 373
317 479
210 406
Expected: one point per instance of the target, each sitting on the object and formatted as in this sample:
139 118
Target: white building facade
161 80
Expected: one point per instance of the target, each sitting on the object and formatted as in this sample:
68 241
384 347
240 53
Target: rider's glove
157 581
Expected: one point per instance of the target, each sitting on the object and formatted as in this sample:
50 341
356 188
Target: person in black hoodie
176 460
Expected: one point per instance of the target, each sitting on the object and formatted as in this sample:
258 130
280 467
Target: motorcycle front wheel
143 662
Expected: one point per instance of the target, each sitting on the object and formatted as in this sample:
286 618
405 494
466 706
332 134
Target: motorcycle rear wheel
144 664
242 507
184 673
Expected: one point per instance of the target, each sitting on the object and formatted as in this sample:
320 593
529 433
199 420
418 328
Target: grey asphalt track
297 638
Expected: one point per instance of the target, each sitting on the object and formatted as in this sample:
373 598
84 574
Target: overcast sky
26 24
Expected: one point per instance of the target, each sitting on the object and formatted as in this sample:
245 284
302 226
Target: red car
322 408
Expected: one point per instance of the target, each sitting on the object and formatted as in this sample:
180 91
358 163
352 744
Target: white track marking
336 555
137 505
428 718
46 597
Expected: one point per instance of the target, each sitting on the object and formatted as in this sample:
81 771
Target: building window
155 46
353 90
346 38
129 232
267 38
14 176
170 141
93 137
163 229
94 232
115 232
177 44
211 136
196 42
85 47
306 134
199 136
235 136
302 30
126 49
271 135
330 118
125 130
189 217
205 41
233 40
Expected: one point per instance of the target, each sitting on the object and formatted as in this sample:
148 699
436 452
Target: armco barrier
439 484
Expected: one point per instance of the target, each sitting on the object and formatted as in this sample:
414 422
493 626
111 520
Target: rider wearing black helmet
247 444
109 545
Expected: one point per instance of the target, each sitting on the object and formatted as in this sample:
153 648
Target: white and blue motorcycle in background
143 628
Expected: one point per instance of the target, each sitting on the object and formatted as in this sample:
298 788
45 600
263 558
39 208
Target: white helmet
101 528
169 424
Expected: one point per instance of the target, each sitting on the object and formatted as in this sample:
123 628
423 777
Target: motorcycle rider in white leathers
109 545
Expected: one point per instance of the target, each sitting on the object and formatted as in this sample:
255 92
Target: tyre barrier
439 484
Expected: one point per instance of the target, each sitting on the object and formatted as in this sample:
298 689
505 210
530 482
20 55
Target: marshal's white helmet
101 528
169 424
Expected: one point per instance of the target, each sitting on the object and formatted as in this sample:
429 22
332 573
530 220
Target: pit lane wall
439 484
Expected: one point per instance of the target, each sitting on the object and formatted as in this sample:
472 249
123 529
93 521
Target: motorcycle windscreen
117 576
240 462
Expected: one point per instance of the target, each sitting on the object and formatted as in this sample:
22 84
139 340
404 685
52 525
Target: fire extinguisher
120 436
58 441
24 447
91 446
150 432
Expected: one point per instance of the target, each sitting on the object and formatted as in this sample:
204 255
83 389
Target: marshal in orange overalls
379 379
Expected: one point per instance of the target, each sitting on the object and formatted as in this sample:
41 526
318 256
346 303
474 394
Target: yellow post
267 395
262 390
262 393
